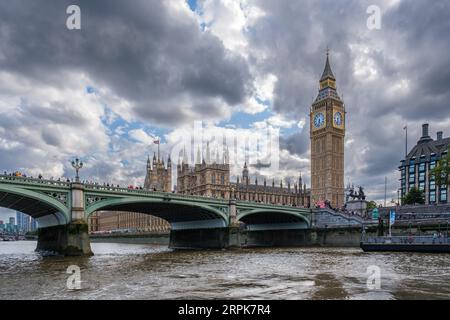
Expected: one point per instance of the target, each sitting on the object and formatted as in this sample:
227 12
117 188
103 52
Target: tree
371 205
441 172
415 196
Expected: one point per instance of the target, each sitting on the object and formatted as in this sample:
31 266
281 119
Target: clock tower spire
327 123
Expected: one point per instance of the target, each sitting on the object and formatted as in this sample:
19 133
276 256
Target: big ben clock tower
327 123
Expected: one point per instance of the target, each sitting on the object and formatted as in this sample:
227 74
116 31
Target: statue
361 195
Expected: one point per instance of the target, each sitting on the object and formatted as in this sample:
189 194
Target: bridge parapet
327 218
33 181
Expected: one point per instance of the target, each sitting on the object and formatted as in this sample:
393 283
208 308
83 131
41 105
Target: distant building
211 178
416 167
158 176
290 195
115 220
25 223
12 221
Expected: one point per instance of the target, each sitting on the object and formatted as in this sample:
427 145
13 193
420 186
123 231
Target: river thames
131 271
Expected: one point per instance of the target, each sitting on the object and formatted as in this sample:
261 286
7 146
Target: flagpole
406 141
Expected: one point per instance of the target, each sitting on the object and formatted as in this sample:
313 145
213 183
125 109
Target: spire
217 156
185 158
327 73
208 154
199 157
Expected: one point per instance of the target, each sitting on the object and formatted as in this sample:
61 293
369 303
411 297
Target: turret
245 173
208 154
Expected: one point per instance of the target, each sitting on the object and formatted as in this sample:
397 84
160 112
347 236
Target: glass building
415 170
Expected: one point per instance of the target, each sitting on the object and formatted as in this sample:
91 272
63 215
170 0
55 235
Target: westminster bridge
62 210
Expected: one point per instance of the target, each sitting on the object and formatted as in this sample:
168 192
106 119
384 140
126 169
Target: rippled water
129 271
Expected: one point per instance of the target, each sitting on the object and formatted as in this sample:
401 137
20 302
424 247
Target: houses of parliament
210 175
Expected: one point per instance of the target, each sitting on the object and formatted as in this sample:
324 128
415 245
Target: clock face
319 120
338 119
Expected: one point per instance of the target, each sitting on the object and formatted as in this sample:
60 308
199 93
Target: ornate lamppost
77 165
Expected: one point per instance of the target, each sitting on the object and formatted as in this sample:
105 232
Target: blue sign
392 217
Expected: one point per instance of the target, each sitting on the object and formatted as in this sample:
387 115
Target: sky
140 71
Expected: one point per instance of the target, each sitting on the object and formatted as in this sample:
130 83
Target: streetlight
77 165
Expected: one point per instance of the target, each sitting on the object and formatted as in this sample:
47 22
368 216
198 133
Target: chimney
425 130
439 135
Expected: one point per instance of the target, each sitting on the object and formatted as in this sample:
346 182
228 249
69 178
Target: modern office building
416 169
25 223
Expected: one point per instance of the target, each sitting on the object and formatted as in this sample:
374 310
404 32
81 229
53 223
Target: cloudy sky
144 70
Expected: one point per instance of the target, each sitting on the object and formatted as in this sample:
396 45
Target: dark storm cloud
409 53
143 51
298 143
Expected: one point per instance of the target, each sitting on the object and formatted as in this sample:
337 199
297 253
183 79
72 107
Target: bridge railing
93 187
33 181
122 190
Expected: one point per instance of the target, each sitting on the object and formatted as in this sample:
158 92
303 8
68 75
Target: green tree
415 196
371 205
441 172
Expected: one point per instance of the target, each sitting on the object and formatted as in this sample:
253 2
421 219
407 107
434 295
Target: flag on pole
392 217
156 141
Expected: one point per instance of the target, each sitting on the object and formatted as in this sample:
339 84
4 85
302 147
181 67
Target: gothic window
222 179
213 178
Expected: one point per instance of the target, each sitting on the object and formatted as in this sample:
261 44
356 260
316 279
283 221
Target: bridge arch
179 214
46 210
273 219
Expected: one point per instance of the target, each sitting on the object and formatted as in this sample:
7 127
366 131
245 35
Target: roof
423 150
327 72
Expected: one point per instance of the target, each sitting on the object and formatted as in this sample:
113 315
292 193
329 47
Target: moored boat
430 244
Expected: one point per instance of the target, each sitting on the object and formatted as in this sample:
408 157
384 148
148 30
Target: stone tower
158 177
327 123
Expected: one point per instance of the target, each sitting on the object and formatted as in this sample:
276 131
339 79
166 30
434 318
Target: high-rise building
415 169
25 223
327 132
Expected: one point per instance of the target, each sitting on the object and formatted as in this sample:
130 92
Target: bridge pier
216 238
276 238
70 240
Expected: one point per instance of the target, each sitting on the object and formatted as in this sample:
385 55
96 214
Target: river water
131 271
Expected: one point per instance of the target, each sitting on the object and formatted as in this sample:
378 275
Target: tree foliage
371 205
441 172
415 196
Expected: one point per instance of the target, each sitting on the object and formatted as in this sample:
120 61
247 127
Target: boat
429 244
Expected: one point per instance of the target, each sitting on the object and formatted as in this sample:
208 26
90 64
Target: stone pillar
71 239
233 213
77 205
